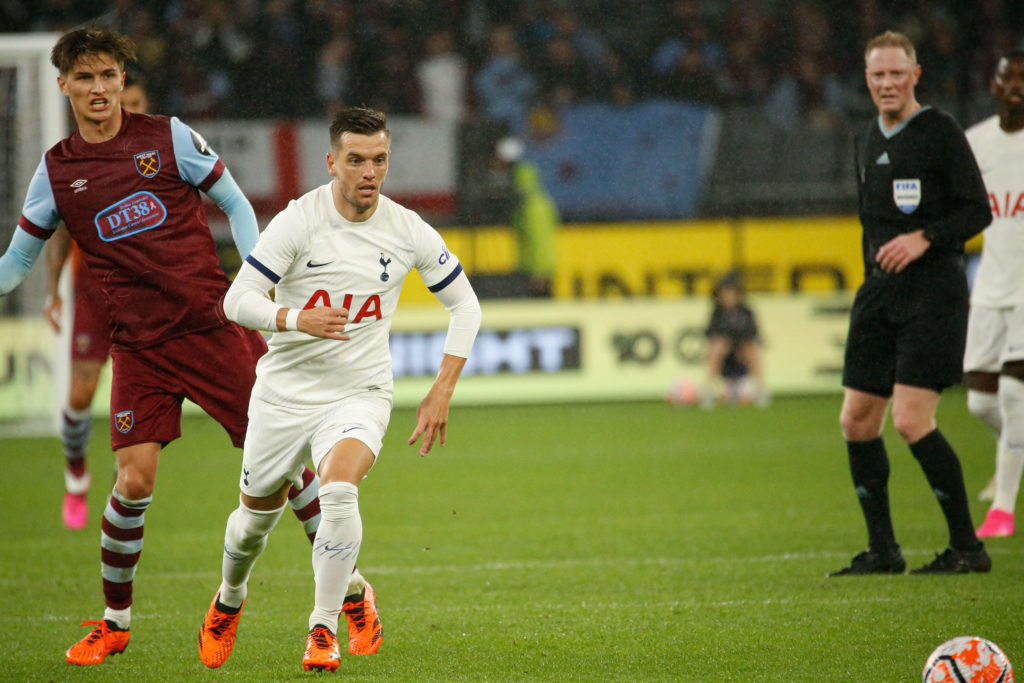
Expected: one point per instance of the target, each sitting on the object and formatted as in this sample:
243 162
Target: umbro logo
79 184
883 159
310 264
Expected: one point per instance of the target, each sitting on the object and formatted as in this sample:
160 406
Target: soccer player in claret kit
336 258
90 344
127 188
994 359
921 197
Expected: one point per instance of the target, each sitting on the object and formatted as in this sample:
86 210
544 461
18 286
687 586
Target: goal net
34 117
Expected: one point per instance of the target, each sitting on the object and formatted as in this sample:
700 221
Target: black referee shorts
907 330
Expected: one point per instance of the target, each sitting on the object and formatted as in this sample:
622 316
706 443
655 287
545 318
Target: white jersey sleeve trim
461 302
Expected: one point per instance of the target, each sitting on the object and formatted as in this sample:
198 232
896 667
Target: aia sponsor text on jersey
1008 206
369 309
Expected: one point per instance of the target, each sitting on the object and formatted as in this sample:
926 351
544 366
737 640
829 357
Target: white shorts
994 336
281 439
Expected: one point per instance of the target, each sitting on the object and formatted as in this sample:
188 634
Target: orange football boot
105 639
321 650
364 628
217 634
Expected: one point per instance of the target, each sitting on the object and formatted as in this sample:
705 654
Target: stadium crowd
454 59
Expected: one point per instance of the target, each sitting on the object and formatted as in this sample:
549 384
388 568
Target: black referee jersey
919 175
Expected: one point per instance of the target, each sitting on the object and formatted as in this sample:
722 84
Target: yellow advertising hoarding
555 351
534 351
673 259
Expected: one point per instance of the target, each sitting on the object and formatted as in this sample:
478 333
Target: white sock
121 617
1010 459
79 486
1009 466
245 537
984 405
335 550
355 583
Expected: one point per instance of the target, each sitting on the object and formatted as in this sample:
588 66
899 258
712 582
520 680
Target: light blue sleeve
195 157
17 261
40 206
229 197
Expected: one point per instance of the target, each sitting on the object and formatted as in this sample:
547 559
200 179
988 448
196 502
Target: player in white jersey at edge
336 257
994 356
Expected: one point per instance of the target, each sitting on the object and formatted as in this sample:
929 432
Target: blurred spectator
210 51
947 62
690 78
684 30
391 87
332 21
503 85
743 78
283 69
334 74
194 96
563 75
442 78
621 83
306 56
52 15
585 40
806 96
150 45
809 92
745 75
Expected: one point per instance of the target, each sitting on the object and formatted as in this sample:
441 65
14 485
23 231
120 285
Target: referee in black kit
921 197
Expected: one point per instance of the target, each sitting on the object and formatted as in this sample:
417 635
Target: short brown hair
91 41
892 39
359 120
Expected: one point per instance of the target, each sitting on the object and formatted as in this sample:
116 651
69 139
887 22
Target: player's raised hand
324 321
901 251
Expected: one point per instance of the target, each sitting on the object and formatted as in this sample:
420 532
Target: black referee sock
942 470
869 466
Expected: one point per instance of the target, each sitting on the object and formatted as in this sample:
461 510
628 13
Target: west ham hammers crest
148 163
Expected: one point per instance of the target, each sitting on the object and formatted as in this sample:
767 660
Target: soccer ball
967 659
682 392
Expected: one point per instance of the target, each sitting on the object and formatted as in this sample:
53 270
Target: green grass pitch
577 542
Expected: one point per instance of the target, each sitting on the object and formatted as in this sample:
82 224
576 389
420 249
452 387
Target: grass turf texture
614 541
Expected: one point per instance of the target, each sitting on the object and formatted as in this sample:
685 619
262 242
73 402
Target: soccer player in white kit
994 356
336 257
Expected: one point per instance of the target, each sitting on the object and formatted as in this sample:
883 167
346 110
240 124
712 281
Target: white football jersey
1000 278
318 258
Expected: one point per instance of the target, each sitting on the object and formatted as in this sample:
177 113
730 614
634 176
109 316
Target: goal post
35 115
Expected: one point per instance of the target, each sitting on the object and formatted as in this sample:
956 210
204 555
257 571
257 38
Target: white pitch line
539 565
585 606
